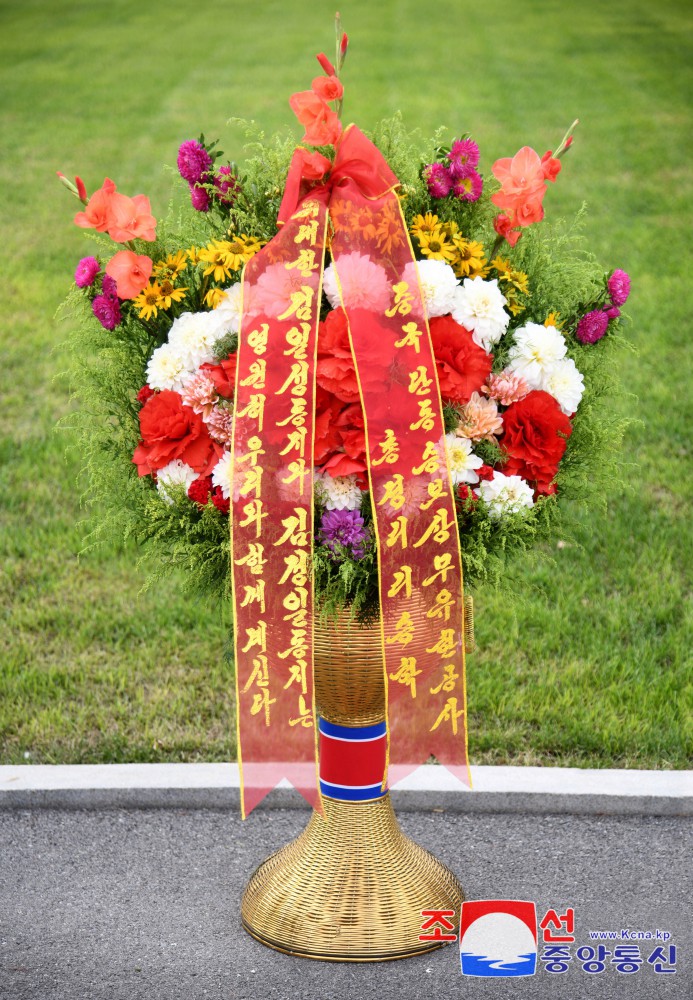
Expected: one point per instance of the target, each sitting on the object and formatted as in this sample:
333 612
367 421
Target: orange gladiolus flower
130 271
522 190
328 87
98 211
132 219
121 217
323 127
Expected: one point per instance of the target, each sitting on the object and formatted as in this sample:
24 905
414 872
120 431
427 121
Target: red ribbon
272 543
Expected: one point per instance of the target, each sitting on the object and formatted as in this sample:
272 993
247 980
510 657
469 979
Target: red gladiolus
326 64
503 225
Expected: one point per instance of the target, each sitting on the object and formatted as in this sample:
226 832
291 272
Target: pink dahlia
193 161
220 425
438 179
200 393
86 272
505 388
619 287
463 155
592 326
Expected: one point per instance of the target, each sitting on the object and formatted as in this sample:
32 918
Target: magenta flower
469 187
109 287
226 186
86 272
619 287
438 180
199 197
592 326
613 313
345 528
107 311
193 161
463 156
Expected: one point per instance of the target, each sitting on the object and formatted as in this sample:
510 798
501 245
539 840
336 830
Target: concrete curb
215 786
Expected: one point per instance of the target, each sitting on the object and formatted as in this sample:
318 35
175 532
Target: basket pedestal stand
351 887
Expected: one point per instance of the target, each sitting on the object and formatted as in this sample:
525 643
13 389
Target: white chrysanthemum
438 285
565 383
505 494
535 350
221 474
166 369
338 493
193 336
176 473
479 308
463 461
229 308
364 284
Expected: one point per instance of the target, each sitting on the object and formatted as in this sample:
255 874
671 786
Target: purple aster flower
463 156
225 186
107 311
469 187
109 287
619 287
193 161
87 269
199 197
613 313
438 180
346 528
592 326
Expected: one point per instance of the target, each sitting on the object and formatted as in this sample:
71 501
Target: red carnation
335 369
223 375
535 438
327 439
222 503
462 365
144 394
200 489
169 431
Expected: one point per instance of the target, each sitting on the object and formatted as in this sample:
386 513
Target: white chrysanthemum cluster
539 357
462 460
480 307
221 475
338 493
176 473
505 494
437 282
191 342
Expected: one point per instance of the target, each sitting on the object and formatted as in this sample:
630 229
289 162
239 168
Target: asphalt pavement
123 904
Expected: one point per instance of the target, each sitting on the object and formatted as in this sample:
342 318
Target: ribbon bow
272 517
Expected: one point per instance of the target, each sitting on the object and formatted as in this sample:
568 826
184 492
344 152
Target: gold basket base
350 888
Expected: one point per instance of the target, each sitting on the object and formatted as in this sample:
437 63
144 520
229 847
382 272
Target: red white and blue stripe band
352 761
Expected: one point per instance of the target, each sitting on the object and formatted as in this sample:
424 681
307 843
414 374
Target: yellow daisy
427 223
170 294
174 264
149 301
225 256
470 261
437 246
552 320
213 297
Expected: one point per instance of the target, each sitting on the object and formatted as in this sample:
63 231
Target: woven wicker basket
351 887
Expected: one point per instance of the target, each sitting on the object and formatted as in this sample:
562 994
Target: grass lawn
591 666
